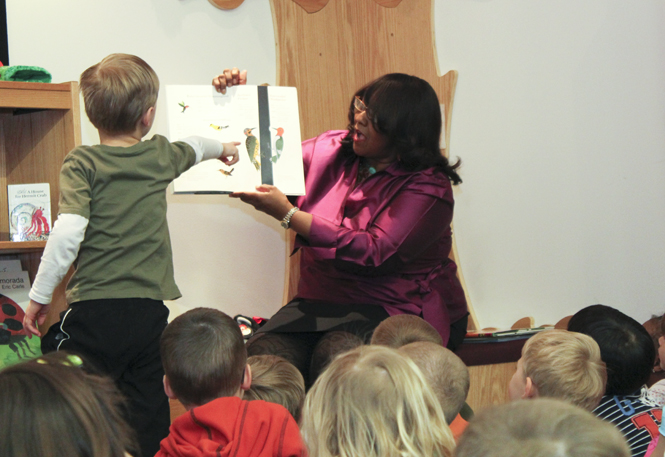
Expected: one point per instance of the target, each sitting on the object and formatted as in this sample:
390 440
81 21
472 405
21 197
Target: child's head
276 380
542 427
625 346
403 329
446 373
560 364
118 92
661 342
51 407
374 402
204 357
328 347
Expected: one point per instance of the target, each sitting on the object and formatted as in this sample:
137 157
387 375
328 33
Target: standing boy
112 227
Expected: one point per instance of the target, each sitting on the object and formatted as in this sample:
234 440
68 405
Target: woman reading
374 226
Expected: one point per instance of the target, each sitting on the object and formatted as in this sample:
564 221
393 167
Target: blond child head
542 427
447 375
118 92
276 380
403 329
560 364
374 402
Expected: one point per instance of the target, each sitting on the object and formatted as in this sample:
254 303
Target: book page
265 120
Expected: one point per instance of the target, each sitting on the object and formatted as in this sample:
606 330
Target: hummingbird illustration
183 106
279 145
252 145
219 127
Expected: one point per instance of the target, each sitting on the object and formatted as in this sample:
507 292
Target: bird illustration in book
226 173
279 145
252 145
219 127
183 106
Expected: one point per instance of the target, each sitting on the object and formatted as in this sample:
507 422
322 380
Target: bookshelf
39 125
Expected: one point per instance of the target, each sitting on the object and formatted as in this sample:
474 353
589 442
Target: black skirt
300 316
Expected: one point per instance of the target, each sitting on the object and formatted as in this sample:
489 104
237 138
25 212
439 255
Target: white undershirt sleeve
60 252
205 148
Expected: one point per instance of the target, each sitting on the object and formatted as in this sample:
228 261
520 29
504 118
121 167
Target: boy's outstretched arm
59 255
206 148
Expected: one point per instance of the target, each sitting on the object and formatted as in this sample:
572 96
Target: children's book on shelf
15 346
264 119
10 265
29 211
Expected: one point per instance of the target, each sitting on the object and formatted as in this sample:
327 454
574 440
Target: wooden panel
489 385
312 6
226 4
329 54
328 50
292 273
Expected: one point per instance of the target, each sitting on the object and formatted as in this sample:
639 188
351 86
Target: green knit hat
25 73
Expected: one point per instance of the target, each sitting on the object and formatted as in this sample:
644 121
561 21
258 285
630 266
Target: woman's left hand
267 199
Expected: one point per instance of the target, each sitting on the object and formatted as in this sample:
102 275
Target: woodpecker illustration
183 106
252 145
219 127
279 145
227 173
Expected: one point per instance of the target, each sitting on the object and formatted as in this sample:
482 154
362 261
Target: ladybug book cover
14 343
29 212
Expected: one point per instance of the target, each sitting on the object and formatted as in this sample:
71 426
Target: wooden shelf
13 247
37 95
39 125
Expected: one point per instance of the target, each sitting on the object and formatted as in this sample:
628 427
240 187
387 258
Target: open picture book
264 119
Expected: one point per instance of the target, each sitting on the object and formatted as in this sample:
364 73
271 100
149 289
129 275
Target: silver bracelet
286 222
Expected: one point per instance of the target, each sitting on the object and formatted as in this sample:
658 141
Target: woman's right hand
228 78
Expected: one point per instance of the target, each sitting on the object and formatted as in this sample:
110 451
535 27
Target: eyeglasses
359 106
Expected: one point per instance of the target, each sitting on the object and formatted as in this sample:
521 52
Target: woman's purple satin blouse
385 242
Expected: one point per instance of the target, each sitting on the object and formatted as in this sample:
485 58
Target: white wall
559 118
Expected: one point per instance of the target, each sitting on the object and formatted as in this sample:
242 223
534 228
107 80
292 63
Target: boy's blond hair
204 356
446 373
565 365
276 380
374 402
118 91
401 329
542 427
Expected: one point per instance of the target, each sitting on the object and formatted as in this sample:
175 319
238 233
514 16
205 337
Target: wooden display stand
39 125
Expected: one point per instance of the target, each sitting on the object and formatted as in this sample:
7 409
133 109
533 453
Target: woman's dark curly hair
406 110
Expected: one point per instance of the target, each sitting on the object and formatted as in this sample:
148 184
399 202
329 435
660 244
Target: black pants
120 338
